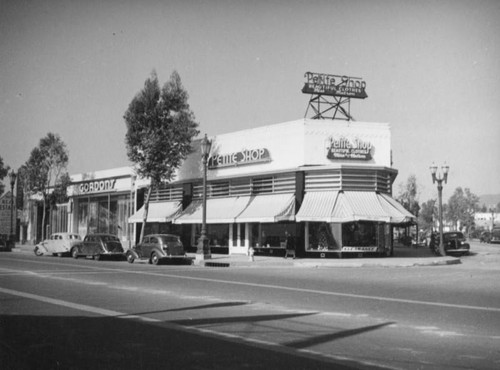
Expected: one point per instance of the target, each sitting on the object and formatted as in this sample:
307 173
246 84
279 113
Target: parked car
98 246
455 243
6 244
157 248
59 244
495 235
485 237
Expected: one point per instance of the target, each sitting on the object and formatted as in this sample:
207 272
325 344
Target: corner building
323 186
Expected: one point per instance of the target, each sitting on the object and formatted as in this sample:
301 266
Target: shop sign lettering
96 186
343 148
334 85
243 157
359 249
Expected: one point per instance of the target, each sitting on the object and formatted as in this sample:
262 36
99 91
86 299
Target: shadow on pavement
51 342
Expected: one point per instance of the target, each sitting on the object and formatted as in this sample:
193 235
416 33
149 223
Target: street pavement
403 257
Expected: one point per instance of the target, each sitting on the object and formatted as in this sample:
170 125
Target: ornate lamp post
439 178
12 176
203 250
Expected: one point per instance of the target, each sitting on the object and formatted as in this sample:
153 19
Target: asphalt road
81 314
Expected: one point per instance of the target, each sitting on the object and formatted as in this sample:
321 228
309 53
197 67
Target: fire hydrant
251 252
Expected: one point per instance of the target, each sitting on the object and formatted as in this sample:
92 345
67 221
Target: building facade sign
99 186
334 85
342 148
244 157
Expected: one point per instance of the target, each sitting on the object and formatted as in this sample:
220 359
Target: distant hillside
489 200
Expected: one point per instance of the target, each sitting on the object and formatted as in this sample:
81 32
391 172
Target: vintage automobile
157 248
495 235
455 243
58 244
98 246
485 237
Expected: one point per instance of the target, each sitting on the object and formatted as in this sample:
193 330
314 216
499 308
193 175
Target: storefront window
103 215
323 236
274 235
359 234
218 235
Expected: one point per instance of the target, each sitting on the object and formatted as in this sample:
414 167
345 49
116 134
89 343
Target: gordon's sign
96 186
244 157
334 85
344 148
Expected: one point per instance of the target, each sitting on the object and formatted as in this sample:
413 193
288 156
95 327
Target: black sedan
455 243
159 247
98 246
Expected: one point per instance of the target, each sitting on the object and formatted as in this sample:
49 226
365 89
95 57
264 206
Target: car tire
38 252
155 259
74 253
130 257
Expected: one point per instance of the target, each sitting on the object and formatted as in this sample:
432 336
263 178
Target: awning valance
349 206
269 208
158 212
219 211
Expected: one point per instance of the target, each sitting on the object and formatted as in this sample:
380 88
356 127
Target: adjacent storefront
101 202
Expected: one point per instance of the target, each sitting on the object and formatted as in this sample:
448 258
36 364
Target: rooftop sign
239 158
334 85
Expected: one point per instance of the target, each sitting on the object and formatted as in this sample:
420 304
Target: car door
140 247
49 244
87 246
146 247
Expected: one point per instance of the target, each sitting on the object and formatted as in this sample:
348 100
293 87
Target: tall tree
3 172
44 168
462 206
427 214
160 128
408 195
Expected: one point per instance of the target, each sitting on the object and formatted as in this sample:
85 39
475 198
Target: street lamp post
203 250
439 178
12 176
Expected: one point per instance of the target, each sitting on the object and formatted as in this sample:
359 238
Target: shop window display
359 234
323 237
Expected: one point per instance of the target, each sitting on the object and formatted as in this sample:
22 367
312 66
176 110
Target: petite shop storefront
325 186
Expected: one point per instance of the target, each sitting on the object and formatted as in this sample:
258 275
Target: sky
432 71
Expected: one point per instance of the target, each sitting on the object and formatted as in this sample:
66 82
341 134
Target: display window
103 215
323 237
359 234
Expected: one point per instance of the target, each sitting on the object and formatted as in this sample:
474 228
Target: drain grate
216 264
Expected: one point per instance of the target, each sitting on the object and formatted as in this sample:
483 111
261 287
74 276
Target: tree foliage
461 208
44 167
3 172
160 127
408 195
428 213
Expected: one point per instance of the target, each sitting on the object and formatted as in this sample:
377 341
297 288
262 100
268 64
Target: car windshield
170 239
452 236
110 238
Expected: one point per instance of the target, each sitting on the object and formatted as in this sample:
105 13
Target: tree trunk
43 218
146 210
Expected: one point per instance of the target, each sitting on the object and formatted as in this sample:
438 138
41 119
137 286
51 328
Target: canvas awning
399 214
349 206
269 208
158 212
219 211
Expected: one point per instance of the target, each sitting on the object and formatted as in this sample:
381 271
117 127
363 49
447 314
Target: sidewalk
403 257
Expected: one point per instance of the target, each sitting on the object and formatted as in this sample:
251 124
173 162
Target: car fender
133 253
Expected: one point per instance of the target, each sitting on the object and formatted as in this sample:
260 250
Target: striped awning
219 211
399 214
269 208
158 212
349 206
